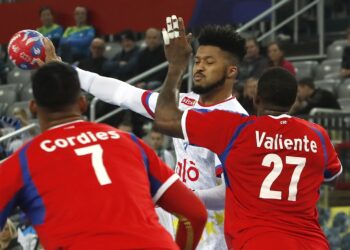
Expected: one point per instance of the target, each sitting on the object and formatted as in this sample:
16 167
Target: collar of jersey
279 116
64 124
228 99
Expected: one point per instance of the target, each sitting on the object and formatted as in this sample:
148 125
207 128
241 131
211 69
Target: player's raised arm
110 90
177 51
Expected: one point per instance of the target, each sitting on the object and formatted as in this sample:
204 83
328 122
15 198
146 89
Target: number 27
265 190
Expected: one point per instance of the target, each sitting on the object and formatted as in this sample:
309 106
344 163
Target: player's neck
55 119
215 96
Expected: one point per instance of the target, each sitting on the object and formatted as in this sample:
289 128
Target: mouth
198 77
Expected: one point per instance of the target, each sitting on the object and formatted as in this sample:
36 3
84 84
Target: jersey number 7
96 153
265 190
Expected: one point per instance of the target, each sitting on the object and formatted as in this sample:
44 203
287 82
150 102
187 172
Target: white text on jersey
81 139
277 142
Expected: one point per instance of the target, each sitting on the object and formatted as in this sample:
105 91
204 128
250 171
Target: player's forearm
213 198
167 114
116 92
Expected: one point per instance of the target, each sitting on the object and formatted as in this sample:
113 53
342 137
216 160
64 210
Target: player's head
277 90
56 91
216 61
46 15
80 15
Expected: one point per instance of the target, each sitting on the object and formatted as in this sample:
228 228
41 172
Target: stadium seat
112 48
26 93
335 50
8 96
328 67
344 103
23 105
343 90
328 84
3 108
305 69
18 75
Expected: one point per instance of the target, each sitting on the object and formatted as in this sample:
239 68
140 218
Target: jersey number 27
265 190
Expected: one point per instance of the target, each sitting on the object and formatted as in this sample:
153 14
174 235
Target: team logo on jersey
188 101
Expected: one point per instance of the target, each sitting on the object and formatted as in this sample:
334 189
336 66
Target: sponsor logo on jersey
188 101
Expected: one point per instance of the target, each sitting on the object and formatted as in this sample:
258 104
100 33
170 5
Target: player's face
80 15
209 70
46 17
156 140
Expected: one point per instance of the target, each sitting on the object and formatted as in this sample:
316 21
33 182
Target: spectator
345 64
125 126
309 97
96 60
253 63
3 73
276 57
8 237
150 57
249 91
123 65
157 143
49 29
75 42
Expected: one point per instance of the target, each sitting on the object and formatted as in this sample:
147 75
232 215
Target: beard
206 89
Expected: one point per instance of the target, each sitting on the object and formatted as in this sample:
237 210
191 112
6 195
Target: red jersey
88 186
273 167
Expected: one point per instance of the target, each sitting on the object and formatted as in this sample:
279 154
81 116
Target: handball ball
24 47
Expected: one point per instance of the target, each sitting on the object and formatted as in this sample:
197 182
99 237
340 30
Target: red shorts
277 241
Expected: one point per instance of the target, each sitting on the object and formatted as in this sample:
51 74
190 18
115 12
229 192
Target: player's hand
50 53
176 44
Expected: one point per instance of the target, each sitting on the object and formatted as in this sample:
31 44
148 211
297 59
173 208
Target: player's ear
33 108
83 104
232 71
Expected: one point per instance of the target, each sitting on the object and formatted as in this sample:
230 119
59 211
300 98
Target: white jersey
197 167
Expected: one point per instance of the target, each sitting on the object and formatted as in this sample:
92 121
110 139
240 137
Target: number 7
96 152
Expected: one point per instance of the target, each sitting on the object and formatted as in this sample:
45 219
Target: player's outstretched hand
176 44
50 53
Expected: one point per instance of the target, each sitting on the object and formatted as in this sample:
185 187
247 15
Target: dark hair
278 44
277 87
224 37
127 34
252 39
307 81
43 8
55 86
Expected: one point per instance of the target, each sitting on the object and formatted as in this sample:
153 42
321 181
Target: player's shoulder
311 125
188 100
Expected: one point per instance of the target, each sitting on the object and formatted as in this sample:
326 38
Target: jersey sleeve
119 93
333 166
213 130
161 177
11 183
